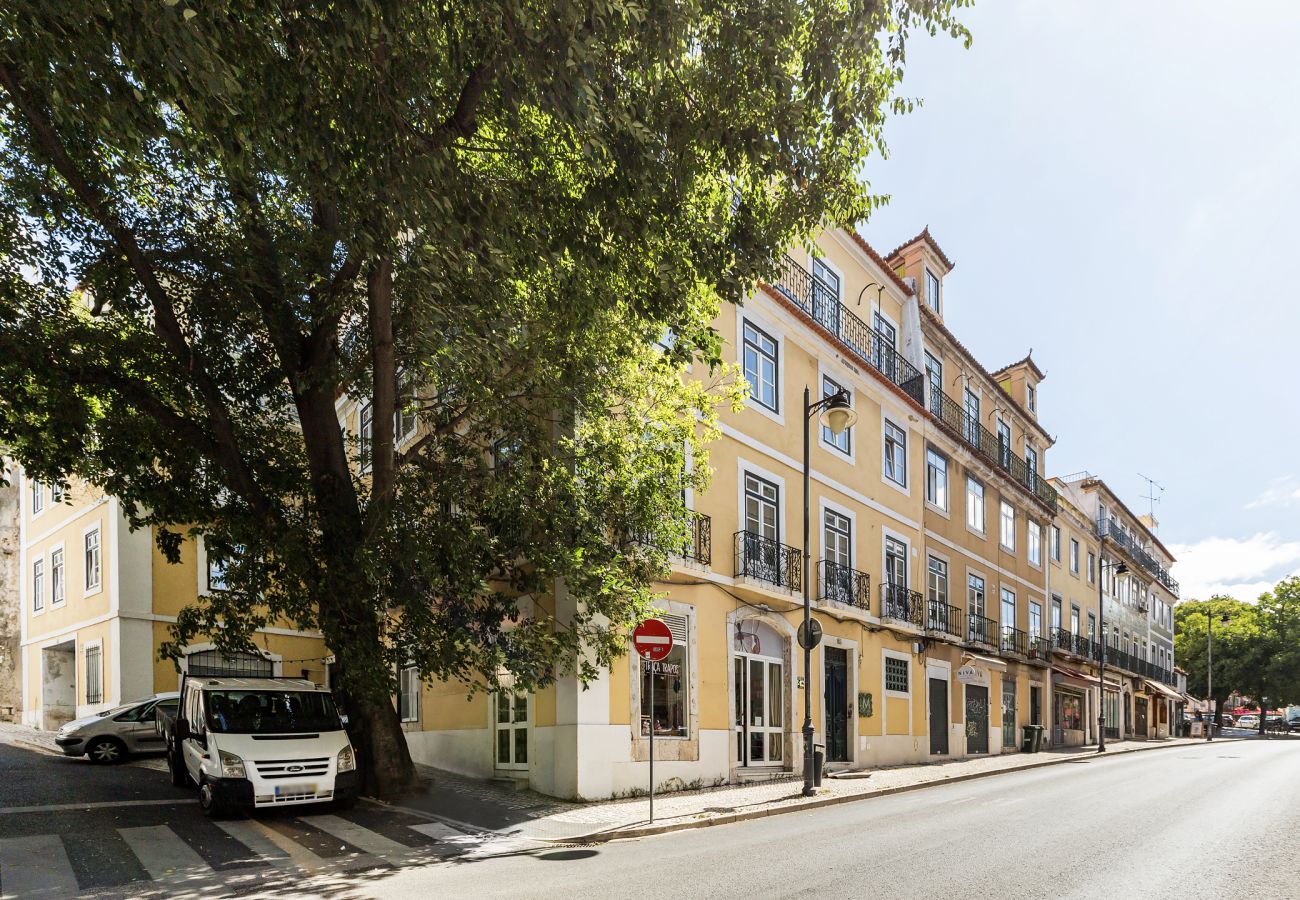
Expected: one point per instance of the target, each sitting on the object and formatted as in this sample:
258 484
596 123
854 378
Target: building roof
929 239
879 261
1097 482
1028 360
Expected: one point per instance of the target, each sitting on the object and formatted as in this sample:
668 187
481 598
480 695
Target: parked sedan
111 736
1250 722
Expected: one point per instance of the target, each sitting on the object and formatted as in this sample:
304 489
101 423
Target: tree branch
379 290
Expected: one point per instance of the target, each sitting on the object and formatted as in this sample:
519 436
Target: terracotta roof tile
934 245
879 260
1029 358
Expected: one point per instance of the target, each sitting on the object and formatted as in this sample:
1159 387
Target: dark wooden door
836 699
977 719
938 716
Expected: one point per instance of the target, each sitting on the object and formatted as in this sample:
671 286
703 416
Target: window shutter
677 626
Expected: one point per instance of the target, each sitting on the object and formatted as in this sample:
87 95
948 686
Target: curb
602 837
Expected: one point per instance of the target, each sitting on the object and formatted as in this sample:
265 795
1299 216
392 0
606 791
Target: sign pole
651 666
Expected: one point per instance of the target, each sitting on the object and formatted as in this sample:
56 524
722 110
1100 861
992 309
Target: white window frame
37 496
1054 543
982 528
404 382
1034 543
824 507
931 579
774 335
885 454
937 463
57 493
744 467
98 647
1031 397
55 600
92 588
403 690
365 436
884 676
37 576
1007 543
932 291
1074 556
822 431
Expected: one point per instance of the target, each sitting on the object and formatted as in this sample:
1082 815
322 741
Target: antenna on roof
1151 496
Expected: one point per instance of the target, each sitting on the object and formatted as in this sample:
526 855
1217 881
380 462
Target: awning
1163 689
1066 675
987 662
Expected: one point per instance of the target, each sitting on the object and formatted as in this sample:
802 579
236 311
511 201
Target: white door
760 710
512 730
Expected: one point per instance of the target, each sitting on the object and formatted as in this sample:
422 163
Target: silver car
109 737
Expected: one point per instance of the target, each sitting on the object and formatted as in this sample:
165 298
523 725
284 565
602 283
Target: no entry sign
652 640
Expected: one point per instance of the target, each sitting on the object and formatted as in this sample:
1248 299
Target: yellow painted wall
65 525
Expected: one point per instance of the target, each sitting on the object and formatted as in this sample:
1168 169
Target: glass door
512 730
826 297
762 500
760 711
895 578
972 417
886 342
837 540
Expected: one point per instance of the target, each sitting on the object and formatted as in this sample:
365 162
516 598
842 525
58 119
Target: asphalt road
1138 825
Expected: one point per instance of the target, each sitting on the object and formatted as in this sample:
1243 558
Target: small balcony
699 546
1014 642
841 584
943 620
1110 529
1070 643
769 562
898 604
1040 649
981 630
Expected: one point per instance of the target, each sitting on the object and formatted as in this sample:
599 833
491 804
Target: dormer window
1031 398
932 290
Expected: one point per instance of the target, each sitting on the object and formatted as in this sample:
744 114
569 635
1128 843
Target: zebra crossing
135 854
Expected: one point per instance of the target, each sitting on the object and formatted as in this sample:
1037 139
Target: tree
221 219
1191 622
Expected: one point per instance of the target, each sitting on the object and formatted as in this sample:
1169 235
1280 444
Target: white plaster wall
133 657
466 751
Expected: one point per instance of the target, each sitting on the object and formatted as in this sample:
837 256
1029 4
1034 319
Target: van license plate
294 790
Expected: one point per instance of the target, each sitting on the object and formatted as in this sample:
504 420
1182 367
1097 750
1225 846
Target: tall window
366 435
94 675
1056 613
895 454
1008 608
408 693
975 599
934 378
57 594
886 340
57 493
1034 542
1031 464
92 560
1035 618
838 441
1008 532
936 478
1074 556
837 539
670 714
762 501
1074 619
1056 543
38 498
937 580
1031 397
932 290
972 430
1092 626
404 419
1092 567
826 295
38 585
760 362
975 504
1004 443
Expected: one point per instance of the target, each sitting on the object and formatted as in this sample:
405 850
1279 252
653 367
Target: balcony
993 450
1040 649
981 630
844 585
768 562
834 318
1109 528
1014 641
699 546
943 619
899 604
1068 642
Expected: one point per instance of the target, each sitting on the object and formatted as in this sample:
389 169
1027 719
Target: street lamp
1209 666
1119 569
837 415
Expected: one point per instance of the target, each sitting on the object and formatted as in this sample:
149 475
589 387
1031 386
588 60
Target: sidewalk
530 817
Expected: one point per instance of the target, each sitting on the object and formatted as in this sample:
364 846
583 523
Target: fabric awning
987 662
1063 680
1163 689
1066 675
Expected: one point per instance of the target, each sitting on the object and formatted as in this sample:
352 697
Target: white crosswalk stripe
36 866
166 857
359 837
254 838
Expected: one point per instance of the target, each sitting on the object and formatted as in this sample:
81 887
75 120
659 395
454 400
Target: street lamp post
1120 569
837 415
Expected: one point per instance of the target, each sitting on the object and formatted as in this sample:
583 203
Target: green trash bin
1032 741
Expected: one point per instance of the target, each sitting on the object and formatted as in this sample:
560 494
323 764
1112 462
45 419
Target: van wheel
208 802
176 768
105 751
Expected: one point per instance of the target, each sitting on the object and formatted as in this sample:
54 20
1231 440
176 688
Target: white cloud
1242 568
1282 491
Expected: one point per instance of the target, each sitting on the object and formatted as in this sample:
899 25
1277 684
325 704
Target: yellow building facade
96 602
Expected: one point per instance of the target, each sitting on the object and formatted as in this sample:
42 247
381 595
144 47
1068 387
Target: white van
251 743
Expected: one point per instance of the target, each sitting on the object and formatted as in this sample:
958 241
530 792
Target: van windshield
270 712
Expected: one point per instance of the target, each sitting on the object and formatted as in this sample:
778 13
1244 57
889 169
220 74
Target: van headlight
347 760
231 765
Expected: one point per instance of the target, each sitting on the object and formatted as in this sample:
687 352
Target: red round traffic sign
652 640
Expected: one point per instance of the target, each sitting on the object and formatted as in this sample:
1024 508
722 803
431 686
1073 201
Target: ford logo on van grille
293 768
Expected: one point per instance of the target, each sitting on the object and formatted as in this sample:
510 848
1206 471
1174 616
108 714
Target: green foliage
217 220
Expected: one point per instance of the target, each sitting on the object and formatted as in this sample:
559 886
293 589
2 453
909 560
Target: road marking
36 866
301 856
66 807
167 858
437 830
357 836
254 839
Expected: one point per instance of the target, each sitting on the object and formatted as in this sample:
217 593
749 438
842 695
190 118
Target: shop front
975 676
761 695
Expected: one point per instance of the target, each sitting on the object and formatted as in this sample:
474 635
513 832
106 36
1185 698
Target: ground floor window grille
94 675
238 664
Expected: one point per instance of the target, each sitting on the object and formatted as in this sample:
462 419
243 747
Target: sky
1118 183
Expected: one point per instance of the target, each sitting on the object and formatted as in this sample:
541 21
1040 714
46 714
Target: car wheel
176 769
105 751
212 808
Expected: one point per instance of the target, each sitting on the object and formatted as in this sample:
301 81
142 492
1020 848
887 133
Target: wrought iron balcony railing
1069 642
1014 641
943 618
1039 648
902 605
821 304
844 585
981 630
1109 528
769 561
699 546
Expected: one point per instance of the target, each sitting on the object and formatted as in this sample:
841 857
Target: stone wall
11 694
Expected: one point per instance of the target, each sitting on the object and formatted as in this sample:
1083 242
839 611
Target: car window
133 713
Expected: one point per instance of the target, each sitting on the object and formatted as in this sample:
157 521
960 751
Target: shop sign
972 675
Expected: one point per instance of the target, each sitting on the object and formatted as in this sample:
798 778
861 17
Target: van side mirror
182 730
